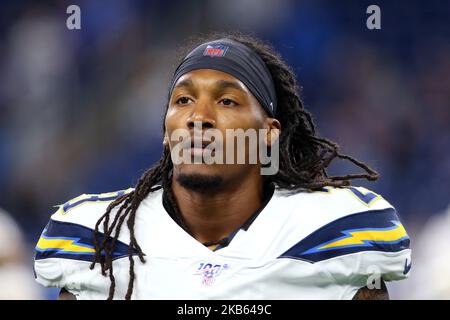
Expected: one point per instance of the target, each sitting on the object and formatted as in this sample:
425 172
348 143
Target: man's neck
211 217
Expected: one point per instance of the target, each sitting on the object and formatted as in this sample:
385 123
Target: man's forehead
206 77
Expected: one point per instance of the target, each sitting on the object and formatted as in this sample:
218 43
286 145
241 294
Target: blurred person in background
16 277
431 261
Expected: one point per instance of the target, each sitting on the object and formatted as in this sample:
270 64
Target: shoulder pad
70 232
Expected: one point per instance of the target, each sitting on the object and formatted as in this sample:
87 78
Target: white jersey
309 245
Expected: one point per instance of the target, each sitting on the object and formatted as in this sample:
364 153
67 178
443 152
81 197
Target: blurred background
81 110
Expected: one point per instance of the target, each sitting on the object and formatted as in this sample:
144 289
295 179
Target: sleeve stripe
93 198
72 241
375 230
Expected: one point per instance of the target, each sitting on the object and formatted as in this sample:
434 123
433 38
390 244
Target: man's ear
273 127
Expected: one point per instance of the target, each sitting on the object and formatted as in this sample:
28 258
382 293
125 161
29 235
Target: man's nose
202 112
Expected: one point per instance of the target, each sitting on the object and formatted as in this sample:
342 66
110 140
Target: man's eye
228 102
183 100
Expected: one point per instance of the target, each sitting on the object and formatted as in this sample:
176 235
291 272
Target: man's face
219 101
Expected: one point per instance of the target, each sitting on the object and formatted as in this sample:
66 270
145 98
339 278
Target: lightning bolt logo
63 245
365 237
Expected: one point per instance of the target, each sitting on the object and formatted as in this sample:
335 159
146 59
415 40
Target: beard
200 182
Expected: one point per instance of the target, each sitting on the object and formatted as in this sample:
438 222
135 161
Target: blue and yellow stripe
86 198
375 230
65 245
365 237
72 241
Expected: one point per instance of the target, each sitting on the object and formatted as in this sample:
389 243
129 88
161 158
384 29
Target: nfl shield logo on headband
216 50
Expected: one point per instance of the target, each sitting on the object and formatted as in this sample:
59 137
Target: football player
225 230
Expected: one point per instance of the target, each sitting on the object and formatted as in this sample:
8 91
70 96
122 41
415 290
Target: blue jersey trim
311 248
93 198
81 236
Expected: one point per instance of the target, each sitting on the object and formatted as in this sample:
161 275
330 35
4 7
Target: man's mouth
199 144
197 147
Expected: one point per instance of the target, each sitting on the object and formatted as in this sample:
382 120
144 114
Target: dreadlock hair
304 158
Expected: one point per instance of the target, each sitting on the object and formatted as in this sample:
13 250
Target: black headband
237 60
